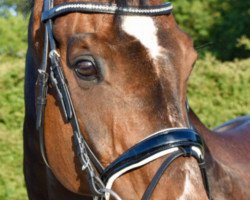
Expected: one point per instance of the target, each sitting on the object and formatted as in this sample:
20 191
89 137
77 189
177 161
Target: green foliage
17 6
11 119
13 35
216 26
232 24
11 89
220 91
195 17
244 42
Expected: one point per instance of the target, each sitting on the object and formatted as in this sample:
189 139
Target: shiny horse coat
127 79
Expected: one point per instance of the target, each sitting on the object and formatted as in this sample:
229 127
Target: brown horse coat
142 89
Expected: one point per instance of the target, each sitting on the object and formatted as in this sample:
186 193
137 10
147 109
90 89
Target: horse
106 111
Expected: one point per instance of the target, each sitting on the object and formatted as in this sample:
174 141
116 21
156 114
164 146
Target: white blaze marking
143 28
187 189
190 190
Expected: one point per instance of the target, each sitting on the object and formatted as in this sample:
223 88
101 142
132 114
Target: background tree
14 6
231 30
221 27
13 28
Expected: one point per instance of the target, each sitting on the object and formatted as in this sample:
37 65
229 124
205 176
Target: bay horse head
116 75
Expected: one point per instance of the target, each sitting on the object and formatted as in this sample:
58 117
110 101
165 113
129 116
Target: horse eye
86 70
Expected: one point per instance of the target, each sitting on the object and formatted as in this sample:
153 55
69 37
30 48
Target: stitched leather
85 7
152 145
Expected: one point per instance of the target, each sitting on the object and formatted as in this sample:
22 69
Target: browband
86 7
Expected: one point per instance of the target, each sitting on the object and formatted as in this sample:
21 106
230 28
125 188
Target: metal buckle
53 53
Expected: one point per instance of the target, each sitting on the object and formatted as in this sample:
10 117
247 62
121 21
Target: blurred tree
13 36
222 27
231 31
13 28
13 7
196 17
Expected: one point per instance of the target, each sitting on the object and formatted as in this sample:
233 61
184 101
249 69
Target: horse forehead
143 29
76 23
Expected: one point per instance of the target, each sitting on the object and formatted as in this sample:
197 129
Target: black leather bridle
177 141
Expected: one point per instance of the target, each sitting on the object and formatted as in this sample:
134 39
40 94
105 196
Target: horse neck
213 142
222 162
207 135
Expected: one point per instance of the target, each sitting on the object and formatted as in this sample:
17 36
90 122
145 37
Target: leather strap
42 88
186 152
150 148
86 7
148 193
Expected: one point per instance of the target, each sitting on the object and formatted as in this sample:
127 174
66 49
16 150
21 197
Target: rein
177 141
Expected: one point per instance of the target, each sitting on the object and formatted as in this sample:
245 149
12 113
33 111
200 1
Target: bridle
177 141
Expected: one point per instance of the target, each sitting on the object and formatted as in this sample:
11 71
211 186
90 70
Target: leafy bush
195 17
13 35
11 120
220 91
229 28
11 90
216 25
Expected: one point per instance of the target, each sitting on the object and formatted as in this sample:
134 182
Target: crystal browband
86 7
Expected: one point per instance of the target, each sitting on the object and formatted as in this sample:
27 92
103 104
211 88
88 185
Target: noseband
177 141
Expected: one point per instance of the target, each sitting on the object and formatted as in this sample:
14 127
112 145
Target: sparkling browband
86 7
